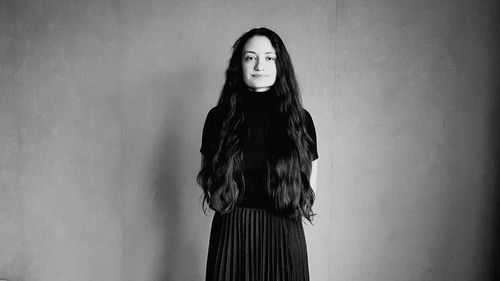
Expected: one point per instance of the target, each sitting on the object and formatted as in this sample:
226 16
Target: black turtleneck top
257 108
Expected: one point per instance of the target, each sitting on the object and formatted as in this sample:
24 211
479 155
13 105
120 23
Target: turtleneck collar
260 99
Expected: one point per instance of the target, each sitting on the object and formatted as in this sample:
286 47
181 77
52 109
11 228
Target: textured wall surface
102 105
416 84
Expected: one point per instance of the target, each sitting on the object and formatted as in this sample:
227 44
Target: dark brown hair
289 162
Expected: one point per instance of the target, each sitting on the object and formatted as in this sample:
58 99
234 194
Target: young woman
258 167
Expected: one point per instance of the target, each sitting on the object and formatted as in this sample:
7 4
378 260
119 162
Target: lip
259 75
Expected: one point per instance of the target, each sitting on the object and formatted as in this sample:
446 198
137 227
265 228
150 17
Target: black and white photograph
236 140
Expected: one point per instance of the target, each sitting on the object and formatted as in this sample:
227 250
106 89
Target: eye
270 58
249 58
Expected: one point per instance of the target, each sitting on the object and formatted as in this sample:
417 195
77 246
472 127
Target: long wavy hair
289 159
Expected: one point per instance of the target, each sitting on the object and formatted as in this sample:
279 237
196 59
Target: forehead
258 44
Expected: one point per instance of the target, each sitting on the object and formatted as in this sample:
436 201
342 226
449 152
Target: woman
258 167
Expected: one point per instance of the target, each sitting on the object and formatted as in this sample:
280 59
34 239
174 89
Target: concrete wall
416 88
102 105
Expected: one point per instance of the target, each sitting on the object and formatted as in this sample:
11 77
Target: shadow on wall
495 149
494 138
171 183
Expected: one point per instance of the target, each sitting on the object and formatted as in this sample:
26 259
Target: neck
262 90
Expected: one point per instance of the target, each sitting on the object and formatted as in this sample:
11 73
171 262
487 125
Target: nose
258 65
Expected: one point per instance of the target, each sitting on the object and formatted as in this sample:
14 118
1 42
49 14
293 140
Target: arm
311 131
314 175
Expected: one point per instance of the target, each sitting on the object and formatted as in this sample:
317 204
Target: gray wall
102 105
416 84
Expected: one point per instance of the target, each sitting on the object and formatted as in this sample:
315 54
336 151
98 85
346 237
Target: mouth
259 75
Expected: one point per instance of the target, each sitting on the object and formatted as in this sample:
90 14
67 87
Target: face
259 64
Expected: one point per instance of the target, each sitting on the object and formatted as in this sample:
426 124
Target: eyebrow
256 53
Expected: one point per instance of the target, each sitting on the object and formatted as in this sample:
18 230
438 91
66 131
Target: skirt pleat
249 244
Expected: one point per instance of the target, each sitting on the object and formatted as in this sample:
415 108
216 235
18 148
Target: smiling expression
259 64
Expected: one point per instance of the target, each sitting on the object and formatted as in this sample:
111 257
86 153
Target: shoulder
211 129
215 114
309 123
307 116
305 112
215 111
215 118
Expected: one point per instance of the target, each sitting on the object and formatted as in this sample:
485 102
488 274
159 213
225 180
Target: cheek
274 79
246 74
246 70
275 72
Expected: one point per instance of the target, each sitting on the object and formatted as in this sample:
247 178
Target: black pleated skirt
250 244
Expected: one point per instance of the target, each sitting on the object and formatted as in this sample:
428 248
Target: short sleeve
309 124
211 131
